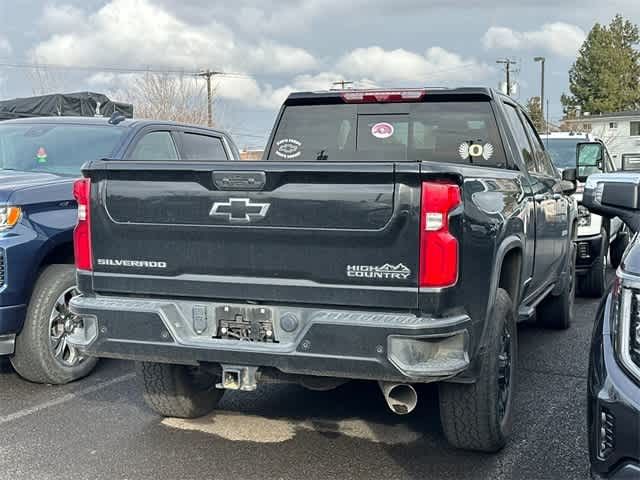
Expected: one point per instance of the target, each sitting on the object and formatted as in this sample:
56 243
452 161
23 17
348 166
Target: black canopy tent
84 104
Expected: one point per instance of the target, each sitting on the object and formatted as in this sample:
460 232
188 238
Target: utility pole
548 124
507 64
342 83
208 74
541 60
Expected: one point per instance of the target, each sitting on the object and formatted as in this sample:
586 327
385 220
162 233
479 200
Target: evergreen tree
606 74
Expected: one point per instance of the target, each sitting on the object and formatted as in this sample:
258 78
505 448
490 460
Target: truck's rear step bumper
309 341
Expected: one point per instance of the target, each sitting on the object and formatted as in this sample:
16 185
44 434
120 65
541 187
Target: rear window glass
459 132
60 149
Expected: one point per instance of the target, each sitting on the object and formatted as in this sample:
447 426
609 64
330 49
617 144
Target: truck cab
396 236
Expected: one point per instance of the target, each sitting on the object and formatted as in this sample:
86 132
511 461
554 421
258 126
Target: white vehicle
596 236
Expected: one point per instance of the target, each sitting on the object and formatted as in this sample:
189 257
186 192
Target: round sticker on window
382 130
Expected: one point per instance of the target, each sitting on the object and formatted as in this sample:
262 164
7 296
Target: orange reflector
13 215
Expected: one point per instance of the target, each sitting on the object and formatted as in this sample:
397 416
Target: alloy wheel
505 358
61 324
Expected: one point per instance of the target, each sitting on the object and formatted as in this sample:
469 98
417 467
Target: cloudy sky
285 45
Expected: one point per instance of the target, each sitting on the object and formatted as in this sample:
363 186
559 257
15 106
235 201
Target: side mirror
631 163
614 195
569 174
589 159
568 184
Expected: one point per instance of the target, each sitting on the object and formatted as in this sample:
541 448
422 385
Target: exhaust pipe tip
401 398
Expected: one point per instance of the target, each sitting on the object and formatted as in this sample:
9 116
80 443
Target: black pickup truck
394 236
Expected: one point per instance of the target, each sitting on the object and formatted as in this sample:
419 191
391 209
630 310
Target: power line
462 66
207 74
167 71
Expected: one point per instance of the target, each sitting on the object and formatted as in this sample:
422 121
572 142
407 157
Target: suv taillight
82 232
438 247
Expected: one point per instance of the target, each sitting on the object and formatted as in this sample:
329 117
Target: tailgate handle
239 180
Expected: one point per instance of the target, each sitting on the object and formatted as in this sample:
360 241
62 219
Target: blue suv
39 160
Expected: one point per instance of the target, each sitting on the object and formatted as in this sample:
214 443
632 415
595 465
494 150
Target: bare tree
611 137
45 81
159 96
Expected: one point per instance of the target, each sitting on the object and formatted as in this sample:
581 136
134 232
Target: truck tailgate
294 232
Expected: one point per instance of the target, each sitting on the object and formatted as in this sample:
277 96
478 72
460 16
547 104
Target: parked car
598 238
40 158
614 366
394 236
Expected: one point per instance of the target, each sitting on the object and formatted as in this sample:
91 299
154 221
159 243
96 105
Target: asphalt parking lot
100 428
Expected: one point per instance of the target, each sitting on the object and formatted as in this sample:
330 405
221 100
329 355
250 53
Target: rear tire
39 357
178 390
556 311
616 251
593 284
478 416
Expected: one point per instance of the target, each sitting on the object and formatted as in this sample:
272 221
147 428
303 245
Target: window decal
475 150
289 148
41 155
382 130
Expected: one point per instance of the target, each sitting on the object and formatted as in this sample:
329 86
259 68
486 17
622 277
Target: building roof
569 135
605 116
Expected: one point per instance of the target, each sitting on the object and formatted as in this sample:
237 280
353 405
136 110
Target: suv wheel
179 390
42 353
478 416
593 284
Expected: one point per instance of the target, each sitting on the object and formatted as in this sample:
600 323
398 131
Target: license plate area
248 324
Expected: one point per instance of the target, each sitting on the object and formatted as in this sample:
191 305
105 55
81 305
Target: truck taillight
82 232
438 247
383 96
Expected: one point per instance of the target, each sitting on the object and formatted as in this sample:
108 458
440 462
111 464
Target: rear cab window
442 131
199 147
155 146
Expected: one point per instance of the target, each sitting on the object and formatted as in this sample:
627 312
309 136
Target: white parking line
64 399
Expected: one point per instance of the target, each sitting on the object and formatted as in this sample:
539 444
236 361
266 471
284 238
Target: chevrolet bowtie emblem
240 210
